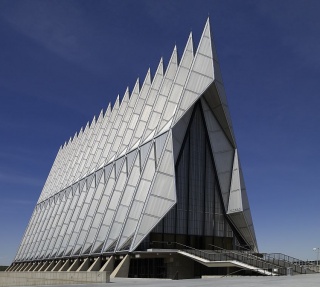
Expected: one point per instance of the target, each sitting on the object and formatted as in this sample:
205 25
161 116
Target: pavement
312 280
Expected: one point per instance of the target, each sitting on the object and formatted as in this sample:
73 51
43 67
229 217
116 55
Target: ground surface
288 281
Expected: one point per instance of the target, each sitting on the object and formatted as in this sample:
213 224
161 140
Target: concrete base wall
52 278
179 267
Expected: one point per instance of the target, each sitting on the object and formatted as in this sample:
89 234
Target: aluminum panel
204 66
235 198
144 151
182 75
157 207
146 223
164 186
159 142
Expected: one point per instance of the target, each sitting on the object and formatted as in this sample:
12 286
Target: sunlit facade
158 170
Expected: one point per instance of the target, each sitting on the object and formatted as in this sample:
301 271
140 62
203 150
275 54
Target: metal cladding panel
100 139
77 168
235 198
48 227
55 222
114 137
158 203
201 74
178 83
105 188
125 195
160 142
72 165
105 144
93 144
42 225
84 209
239 210
244 229
64 221
21 252
223 152
158 104
179 131
113 202
139 197
70 224
25 236
147 105
133 119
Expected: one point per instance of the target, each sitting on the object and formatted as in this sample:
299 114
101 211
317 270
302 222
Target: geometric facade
161 165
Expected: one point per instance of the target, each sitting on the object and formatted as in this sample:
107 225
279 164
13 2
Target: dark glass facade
198 219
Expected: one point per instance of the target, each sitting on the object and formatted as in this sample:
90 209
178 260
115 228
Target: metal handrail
223 255
268 261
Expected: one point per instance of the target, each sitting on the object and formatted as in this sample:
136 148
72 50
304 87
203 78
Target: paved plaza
245 281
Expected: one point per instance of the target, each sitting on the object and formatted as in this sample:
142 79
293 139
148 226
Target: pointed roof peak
206 30
116 103
136 87
148 77
108 110
93 121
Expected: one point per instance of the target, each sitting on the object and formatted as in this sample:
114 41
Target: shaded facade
160 168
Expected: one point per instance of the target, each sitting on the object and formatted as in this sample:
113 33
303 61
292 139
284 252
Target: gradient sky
61 62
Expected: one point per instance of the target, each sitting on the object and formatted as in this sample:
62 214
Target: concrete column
49 267
27 267
85 265
65 266
122 270
9 268
96 265
22 266
57 266
38 266
74 266
109 265
33 266
17 267
44 266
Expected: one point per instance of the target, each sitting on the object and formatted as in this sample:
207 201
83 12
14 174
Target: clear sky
61 62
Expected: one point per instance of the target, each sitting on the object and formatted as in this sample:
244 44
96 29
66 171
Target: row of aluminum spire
141 115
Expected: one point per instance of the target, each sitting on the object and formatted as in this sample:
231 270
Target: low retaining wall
52 278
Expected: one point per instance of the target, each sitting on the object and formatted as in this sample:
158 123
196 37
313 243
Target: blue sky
61 62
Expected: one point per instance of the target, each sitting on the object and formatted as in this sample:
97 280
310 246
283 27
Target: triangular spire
136 87
100 117
172 65
147 79
235 198
108 110
126 96
188 53
93 121
160 67
116 103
